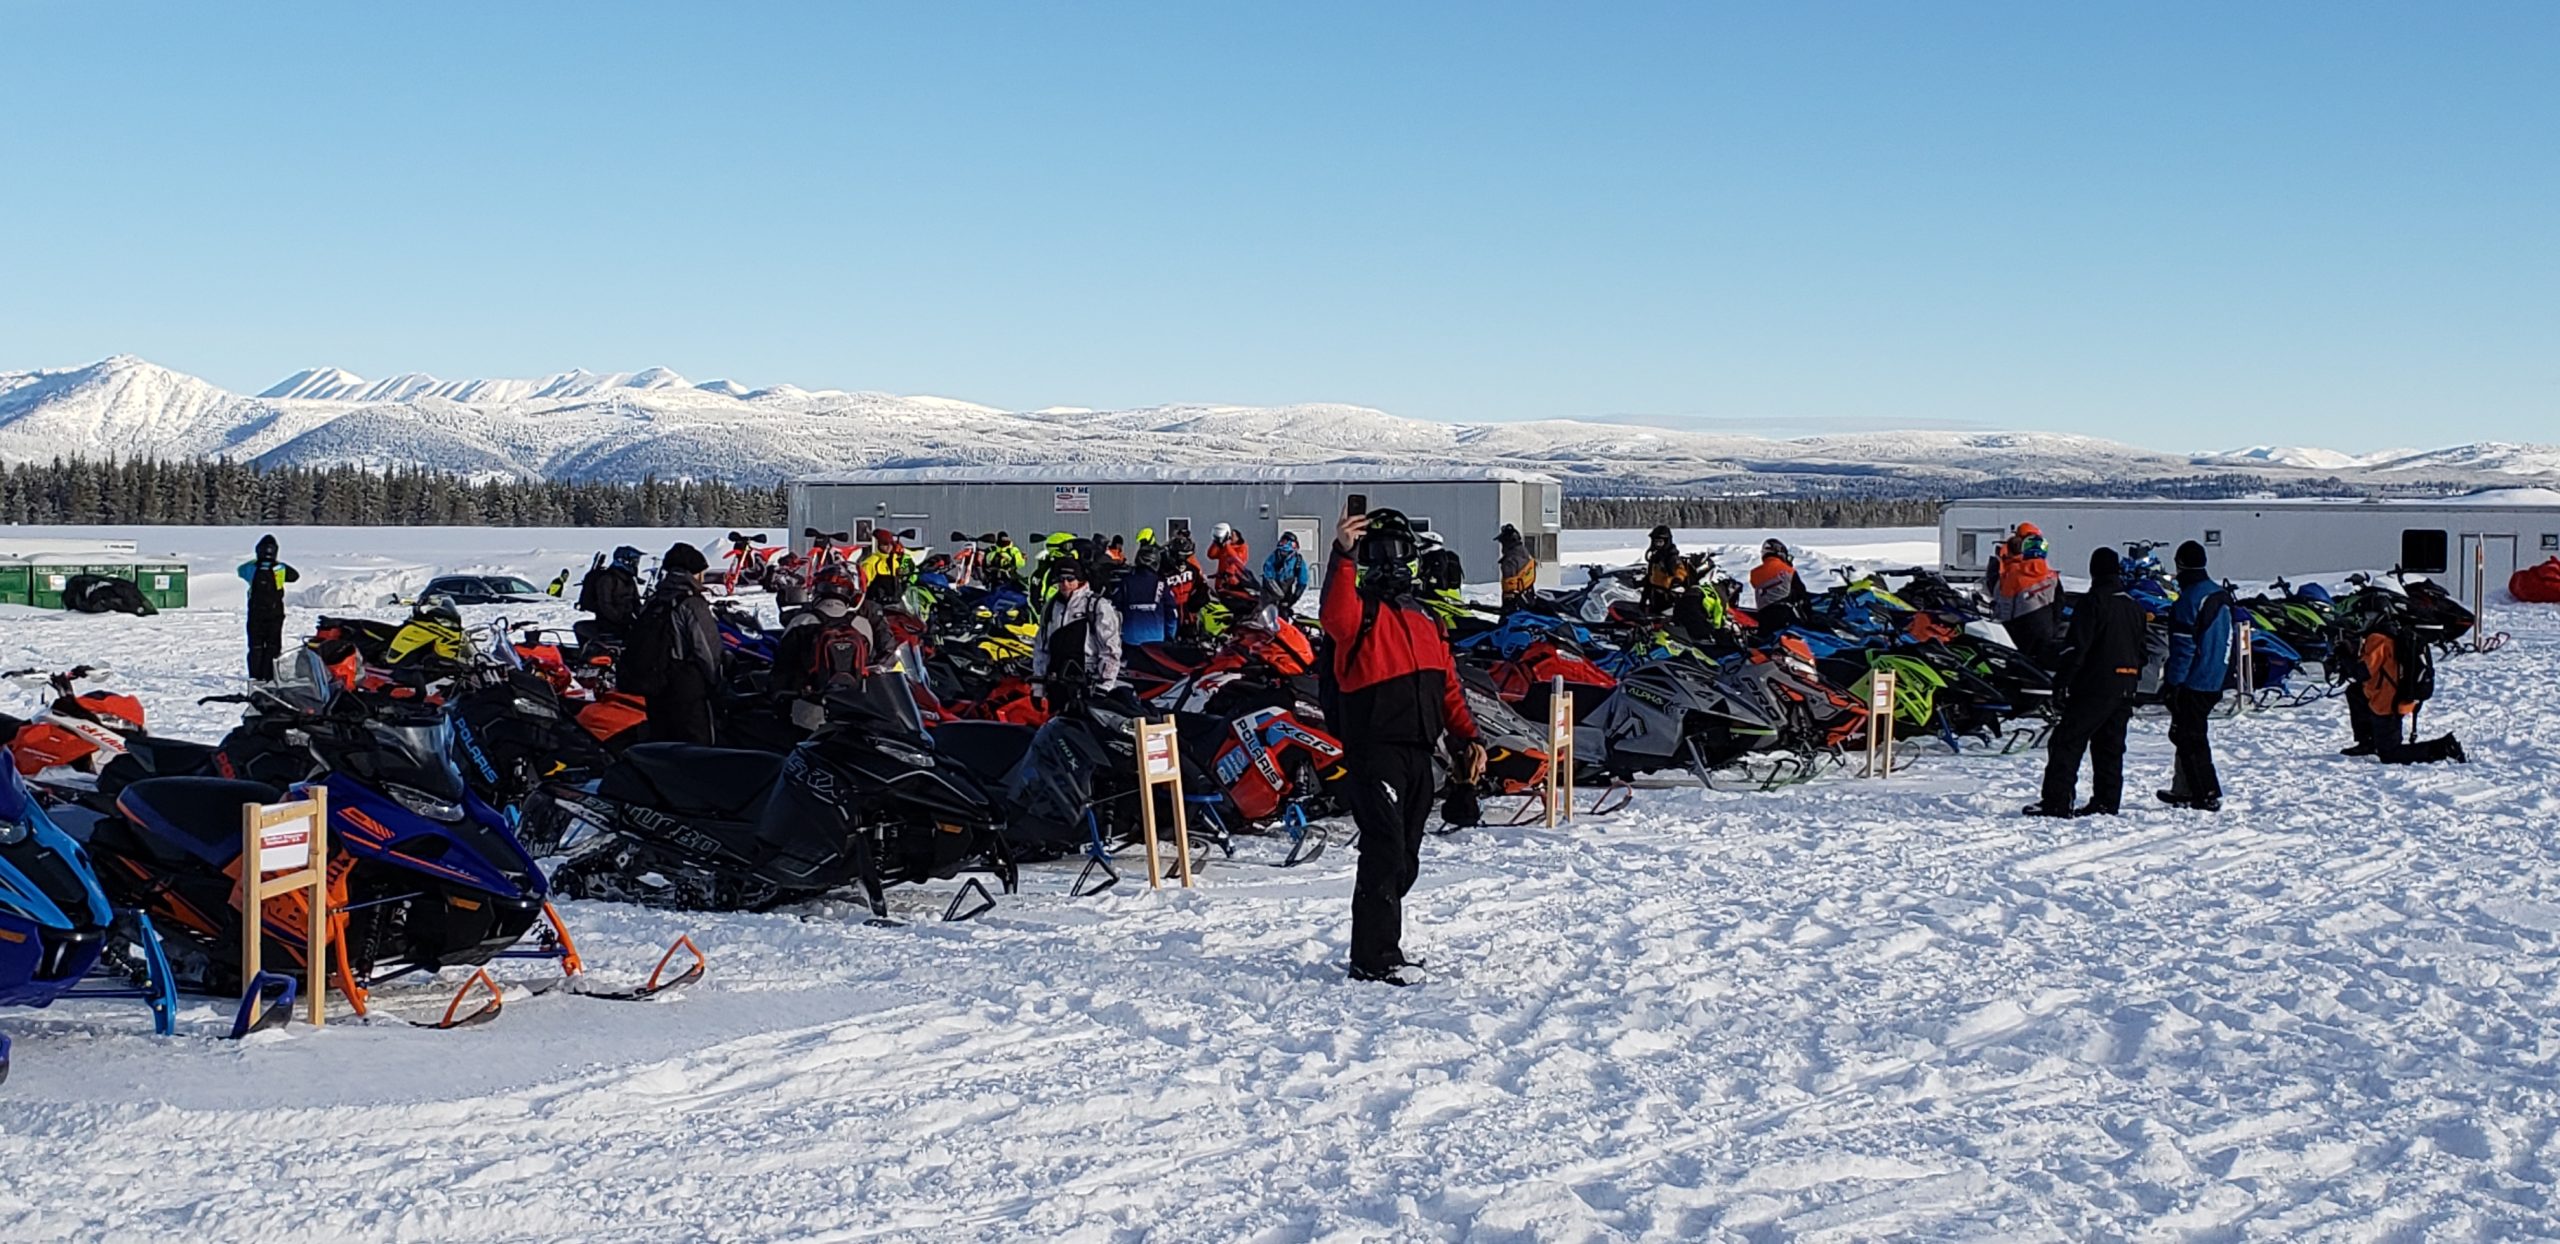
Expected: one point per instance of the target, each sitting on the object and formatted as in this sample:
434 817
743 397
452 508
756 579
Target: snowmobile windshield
881 704
409 758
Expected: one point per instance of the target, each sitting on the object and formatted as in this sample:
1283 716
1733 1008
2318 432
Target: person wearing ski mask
1396 685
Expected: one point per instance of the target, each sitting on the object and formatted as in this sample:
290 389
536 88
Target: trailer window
2551 539
2423 551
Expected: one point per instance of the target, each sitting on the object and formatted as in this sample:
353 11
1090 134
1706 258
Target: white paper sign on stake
285 847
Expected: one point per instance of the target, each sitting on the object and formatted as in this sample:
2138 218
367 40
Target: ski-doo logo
816 779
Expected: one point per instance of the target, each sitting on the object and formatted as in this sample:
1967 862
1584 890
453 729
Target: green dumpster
13 583
164 584
46 581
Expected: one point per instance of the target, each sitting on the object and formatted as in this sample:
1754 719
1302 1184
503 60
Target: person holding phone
1397 690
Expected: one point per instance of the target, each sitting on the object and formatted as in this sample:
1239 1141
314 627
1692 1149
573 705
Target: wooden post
2479 595
1160 765
1559 753
291 836
2247 638
1880 723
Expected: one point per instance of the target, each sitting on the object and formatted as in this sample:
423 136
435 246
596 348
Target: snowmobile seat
146 757
197 815
721 783
986 749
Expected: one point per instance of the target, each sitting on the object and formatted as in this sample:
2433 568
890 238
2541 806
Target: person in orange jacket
2388 702
1778 596
1227 549
2026 594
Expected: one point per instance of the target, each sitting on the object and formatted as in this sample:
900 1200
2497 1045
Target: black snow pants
2194 776
266 639
1390 789
680 711
2388 739
2092 722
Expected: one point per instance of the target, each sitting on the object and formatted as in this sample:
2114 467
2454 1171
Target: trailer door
2489 556
1974 546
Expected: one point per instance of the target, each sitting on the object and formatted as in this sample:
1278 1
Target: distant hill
626 425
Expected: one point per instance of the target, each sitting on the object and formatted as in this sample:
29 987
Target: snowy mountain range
625 425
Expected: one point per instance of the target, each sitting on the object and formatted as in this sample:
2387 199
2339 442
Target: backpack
650 652
841 655
2417 662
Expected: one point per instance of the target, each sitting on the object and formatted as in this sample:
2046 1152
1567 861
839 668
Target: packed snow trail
1846 1010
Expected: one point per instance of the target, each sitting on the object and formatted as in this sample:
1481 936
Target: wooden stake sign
1880 723
1559 753
275 838
1159 765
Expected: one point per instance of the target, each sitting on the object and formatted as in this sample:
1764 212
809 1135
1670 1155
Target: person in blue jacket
1146 609
2199 663
1285 571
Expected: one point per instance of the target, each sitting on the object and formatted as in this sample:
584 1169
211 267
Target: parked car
484 589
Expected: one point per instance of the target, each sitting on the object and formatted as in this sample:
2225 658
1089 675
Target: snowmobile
1515 748
1674 713
865 802
55 920
424 874
80 732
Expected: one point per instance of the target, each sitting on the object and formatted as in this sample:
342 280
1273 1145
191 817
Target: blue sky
2185 226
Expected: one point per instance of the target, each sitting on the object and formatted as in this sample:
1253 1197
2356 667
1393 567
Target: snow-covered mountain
624 425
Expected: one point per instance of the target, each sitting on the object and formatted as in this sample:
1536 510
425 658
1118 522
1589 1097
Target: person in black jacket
2100 665
1397 687
612 593
677 643
267 577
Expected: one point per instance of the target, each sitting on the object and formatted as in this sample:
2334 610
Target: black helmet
1389 540
1773 548
1661 531
1507 534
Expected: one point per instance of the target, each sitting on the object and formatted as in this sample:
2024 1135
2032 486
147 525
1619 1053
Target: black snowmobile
865 801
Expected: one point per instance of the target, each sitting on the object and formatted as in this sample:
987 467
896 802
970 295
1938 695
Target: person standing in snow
266 577
1078 656
2101 663
1777 594
612 593
2026 594
1285 572
1397 686
673 659
1519 570
2199 661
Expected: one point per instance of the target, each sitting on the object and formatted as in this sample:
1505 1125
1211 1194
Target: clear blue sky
2186 226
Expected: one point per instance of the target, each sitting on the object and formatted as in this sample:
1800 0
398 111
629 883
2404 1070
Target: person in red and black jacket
1398 697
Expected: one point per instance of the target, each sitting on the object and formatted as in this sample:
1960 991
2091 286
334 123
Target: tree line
220 492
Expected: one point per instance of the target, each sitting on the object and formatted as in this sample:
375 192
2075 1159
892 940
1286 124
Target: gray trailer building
2445 540
1466 505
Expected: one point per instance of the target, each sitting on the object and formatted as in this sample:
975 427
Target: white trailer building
1466 505
2445 540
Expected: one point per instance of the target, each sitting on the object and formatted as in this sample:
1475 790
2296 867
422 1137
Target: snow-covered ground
1841 1011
